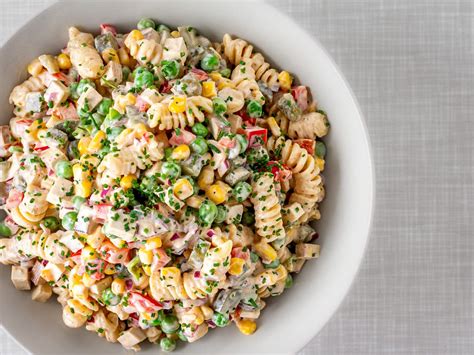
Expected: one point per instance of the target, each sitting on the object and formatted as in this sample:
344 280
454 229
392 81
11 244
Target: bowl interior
292 319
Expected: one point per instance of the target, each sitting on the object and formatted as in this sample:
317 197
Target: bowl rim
361 119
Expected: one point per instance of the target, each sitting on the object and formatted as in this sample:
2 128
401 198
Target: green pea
200 130
219 106
110 298
207 212
242 191
209 62
169 324
182 336
199 145
221 214
161 28
5 231
125 73
113 115
254 109
219 319
170 170
243 142
105 106
83 85
320 149
145 23
168 152
273 265
288 281
143 78
167 344
158 319
254 257
170 69
52 223
225 72
73 90
69 221
64 169
77 201
248 218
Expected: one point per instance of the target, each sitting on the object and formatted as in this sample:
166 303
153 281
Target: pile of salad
159 184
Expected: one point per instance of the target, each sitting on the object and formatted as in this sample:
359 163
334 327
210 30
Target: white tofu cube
175 48
131 337
307 250
150 96
56 92
51 156
89 99
146 226
71 241
120 225
20 278
113 73
84 220
101 285
234 215
33 102
41 293
52 272
60 189
292 213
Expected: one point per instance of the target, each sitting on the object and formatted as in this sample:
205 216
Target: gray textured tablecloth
411 66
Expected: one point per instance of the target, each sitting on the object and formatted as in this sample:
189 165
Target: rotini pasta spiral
144 50
237 50
268 219
196 107
106 325
308 182
167 285
19 92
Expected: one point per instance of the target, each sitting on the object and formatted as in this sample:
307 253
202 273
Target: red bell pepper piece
144 303
256 136
300 93
280 171
184 137
107 28
307 144
112 254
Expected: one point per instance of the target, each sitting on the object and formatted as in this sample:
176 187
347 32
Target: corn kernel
236 266
82 182
265 251
199 317
209 89
124 57
123 101
216 194
127 181
145 315
123 136
206 177
47 275
146 256
110 54
87 280
194 201
110 269
215 76
153 243
88 253
181 152
35 127
35 67
118 286
274 127
136 35
225 83
96 142
285 80
147 270
320 163
178 104
246 326
182 189
64 61
83 145
175 34
140 130
170 271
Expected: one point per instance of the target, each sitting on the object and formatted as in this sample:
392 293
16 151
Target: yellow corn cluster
285 80
35 67
118 286
246 326
110 54
221 81
126 182
153 243
181 152
122 101
209 89
96 142
216 194
236 266
64 61
82 180
183 189
206 177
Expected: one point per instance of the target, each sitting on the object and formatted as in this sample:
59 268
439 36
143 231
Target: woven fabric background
411 66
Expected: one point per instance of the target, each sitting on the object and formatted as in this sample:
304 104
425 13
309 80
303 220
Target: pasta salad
158 183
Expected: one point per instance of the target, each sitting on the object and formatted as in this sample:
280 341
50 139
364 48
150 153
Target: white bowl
292 319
